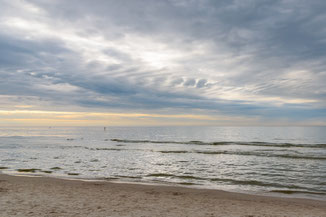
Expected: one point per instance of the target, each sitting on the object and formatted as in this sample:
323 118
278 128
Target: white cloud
184 55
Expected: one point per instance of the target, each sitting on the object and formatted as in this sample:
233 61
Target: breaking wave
264 144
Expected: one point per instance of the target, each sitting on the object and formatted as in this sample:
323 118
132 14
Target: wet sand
41 196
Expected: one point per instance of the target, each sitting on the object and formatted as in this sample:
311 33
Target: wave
262 153
241 153
264 144
258 154
289 188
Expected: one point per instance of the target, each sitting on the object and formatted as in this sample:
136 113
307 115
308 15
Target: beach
44 196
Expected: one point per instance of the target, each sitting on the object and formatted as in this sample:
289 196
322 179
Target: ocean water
276 160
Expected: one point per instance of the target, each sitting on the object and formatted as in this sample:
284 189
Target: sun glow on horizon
79 118
57 118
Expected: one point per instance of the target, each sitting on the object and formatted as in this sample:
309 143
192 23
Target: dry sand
40 196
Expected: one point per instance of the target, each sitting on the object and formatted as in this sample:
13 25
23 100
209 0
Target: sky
169 62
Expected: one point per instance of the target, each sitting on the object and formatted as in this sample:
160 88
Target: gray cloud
201 83
255 58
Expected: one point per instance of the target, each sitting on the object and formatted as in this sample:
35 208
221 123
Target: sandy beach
41 196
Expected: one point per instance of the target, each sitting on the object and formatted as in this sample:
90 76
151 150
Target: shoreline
48 196
278 194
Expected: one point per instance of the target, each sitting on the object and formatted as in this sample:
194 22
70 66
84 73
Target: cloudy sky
149 62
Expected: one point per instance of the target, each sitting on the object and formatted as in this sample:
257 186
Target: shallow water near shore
287 160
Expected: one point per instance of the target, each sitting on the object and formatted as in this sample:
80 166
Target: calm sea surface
287 160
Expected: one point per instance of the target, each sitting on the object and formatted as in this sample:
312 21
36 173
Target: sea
288 161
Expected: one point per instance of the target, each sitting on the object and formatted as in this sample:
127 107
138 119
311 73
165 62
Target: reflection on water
287 160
